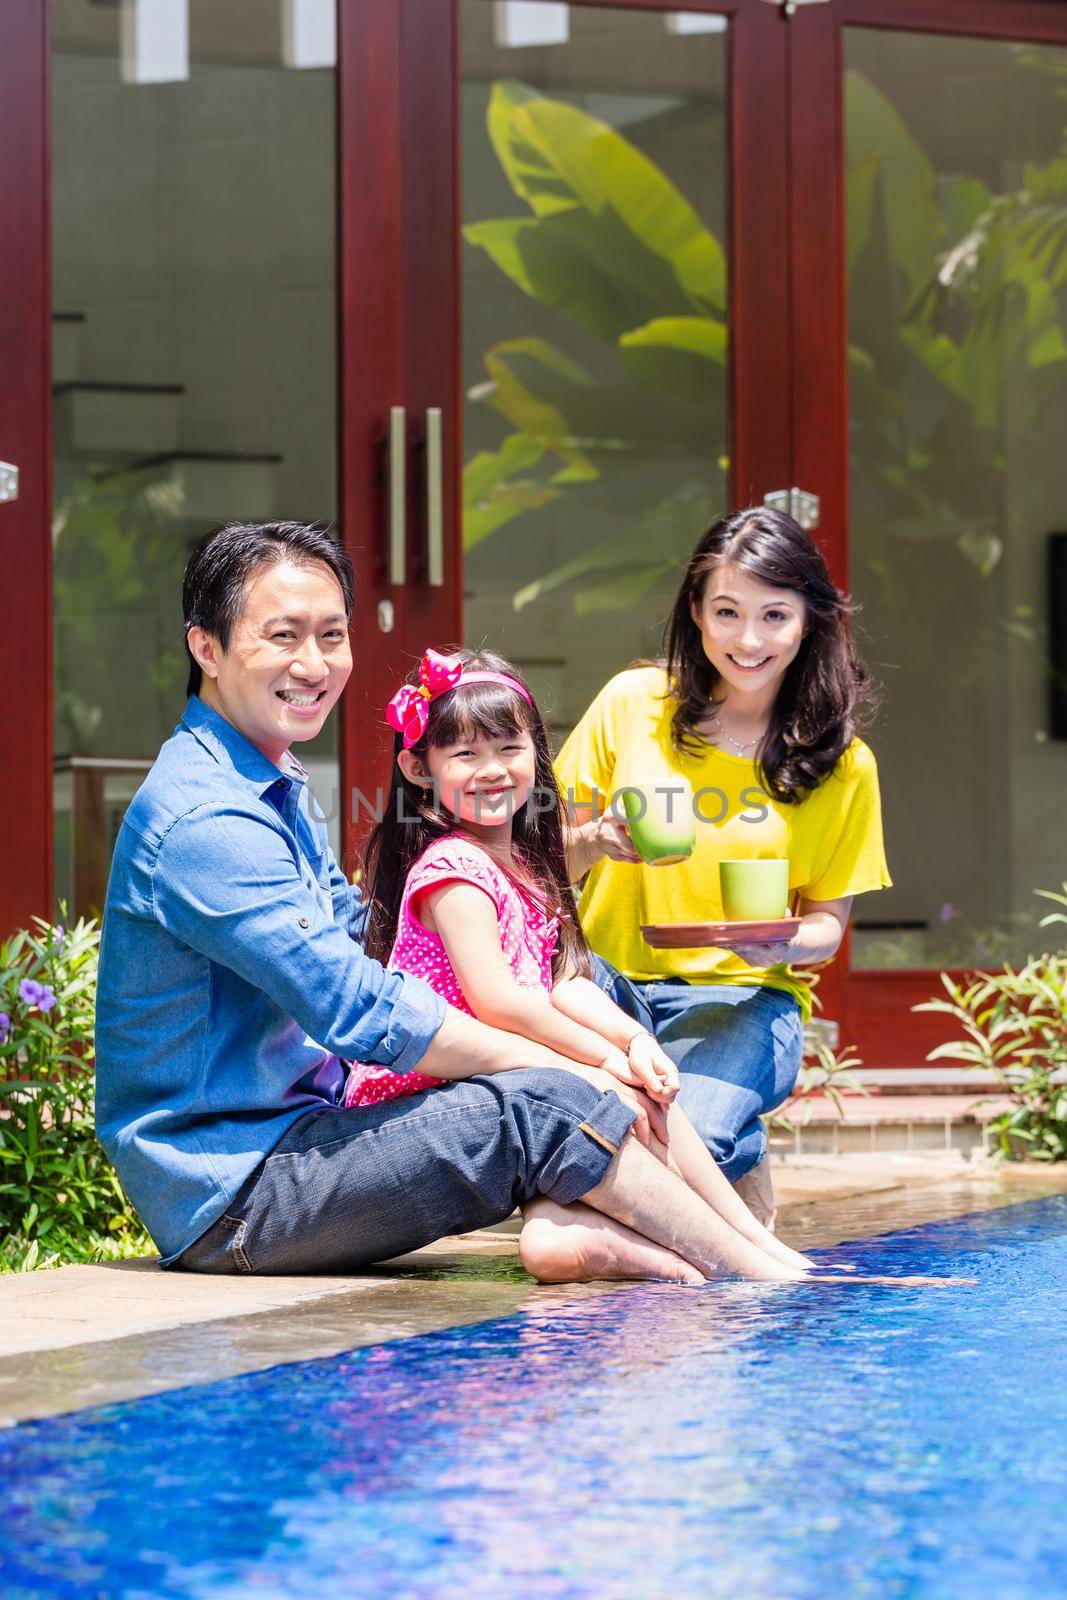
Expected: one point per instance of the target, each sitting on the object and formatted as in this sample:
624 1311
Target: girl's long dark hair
827 693
411 820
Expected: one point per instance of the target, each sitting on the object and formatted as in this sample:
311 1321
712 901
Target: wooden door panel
25 441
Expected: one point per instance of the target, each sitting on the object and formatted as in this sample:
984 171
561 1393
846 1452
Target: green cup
754 891
660 819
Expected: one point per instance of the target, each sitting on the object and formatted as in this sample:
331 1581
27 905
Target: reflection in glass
595 338
957 247
193 247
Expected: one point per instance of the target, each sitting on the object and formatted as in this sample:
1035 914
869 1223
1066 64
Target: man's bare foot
575 1244
757 1191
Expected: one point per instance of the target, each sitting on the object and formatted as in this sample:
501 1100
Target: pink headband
409 708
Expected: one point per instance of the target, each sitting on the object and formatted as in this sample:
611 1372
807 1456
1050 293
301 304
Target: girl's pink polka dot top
527 937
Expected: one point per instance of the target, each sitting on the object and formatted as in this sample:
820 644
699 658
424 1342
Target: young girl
469 891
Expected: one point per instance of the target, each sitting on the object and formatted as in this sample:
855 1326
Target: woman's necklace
740 748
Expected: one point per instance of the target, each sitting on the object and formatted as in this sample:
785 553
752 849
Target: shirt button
304 923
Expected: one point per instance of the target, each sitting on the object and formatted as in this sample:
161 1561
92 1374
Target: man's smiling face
288 659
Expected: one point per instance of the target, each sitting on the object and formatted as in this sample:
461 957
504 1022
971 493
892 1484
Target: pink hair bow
409 708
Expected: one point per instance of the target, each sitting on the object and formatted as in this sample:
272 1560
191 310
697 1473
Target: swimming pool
737 1440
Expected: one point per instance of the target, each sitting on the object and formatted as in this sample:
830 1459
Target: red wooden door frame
25 440
397 347
873 1007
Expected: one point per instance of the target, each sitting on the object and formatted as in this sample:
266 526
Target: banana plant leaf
529 378
496 490
586 266
650 545
596 427
914 226
680 357
559 158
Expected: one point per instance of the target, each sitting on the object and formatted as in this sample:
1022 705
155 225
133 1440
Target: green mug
660 819
754 891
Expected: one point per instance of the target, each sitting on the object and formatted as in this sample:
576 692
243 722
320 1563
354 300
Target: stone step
891 1122
924 1080
66 345
218 485
117 420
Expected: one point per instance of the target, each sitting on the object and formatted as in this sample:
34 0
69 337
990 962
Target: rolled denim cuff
748 1152
578 1164
416 1016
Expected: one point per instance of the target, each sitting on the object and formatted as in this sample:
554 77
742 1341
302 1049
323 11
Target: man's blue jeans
737 1048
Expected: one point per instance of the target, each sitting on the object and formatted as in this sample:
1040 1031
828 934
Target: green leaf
618 594
906 181
678 356
861 186
559 158
529 375
494 494
665 528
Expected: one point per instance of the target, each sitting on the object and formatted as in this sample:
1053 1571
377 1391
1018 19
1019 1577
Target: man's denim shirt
231 986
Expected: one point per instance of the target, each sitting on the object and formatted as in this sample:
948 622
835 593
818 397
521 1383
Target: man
233 991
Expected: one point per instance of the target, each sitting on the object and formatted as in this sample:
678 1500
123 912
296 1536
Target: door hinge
804 508
9 481
788 7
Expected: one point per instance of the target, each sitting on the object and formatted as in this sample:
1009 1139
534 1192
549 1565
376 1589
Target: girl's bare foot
575 1244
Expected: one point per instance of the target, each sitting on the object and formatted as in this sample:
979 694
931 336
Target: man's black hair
224 560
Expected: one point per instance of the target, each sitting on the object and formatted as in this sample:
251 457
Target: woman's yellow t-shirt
833 839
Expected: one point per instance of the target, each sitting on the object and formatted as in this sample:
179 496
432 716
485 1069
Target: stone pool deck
84 1336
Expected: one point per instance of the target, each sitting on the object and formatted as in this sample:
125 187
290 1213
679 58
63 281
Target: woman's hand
768 955
816 940
611 838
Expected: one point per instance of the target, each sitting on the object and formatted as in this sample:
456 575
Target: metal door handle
435 507
9 481
398 521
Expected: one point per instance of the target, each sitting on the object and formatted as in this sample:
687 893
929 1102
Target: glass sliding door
957 364
194 357
595 328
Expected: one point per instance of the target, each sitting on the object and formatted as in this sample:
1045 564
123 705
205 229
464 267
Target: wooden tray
705 935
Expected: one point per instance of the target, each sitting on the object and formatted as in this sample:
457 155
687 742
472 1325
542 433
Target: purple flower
5 1027
948 912
36 994
59 934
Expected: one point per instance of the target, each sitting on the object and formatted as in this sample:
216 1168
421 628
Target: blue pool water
735 1441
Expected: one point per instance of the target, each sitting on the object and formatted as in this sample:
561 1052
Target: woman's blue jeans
737 1048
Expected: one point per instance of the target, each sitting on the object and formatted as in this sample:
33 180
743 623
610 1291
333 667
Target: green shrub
825 1074
1015 1030
59 1197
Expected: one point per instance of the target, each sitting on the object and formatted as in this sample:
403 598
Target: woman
756 705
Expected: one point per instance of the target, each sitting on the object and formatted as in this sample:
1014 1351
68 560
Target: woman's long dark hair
827 693
411 820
